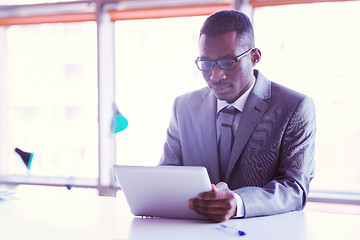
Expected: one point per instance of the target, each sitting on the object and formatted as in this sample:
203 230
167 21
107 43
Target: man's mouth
219 87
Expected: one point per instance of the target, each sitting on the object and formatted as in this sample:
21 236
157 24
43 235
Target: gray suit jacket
272 161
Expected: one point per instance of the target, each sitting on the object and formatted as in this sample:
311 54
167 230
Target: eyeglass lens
224 64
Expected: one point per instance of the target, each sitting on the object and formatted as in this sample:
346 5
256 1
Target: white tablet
162 191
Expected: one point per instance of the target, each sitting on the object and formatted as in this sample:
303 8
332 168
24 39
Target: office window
19 2
314 48
49 99
154 64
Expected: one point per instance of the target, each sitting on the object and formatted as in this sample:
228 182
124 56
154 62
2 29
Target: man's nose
217 74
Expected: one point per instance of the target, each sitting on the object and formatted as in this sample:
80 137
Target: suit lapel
253 111
208 130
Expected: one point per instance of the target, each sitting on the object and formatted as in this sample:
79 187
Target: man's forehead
224 44
232 38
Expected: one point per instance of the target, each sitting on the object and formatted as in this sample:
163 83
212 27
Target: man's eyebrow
228 56
222 57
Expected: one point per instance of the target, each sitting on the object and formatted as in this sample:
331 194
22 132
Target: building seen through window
50 106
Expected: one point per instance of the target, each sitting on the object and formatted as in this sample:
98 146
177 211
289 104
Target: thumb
221 186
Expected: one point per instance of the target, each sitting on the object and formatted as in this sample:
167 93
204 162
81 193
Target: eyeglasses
224 64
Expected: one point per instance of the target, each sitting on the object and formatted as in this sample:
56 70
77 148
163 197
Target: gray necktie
226 138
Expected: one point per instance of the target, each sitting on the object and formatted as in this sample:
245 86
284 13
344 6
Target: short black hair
228 21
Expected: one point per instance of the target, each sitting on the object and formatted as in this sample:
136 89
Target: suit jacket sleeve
288 190
172 147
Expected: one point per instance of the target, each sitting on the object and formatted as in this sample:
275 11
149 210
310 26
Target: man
270 161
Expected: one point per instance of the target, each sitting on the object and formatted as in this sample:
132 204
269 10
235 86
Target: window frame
105 13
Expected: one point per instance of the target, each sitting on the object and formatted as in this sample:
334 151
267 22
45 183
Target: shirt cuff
240 212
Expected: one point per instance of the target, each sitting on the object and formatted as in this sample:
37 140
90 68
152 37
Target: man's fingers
210 211
191 203
215 214
217 195
217 204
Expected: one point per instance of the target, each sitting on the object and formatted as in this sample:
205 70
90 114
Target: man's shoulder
287 98
271 89
284 91
278 95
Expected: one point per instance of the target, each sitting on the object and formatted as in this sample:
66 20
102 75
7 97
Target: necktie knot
227 115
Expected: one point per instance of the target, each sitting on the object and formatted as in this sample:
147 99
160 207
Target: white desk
69 216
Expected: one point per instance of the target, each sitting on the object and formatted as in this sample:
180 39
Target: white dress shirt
239 105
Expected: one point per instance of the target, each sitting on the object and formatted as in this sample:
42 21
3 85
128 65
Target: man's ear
255 56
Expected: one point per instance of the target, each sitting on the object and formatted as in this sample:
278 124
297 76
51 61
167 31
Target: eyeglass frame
236 59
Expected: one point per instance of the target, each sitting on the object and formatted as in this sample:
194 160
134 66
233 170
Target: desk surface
67 216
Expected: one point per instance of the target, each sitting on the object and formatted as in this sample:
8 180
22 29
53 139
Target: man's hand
218 205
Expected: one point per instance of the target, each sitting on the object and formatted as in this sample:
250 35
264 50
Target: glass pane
49 106
154 64
314 49
18 2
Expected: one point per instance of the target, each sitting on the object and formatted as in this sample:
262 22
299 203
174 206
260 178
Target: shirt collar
238 104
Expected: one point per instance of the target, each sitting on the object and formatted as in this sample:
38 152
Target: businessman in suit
270 162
